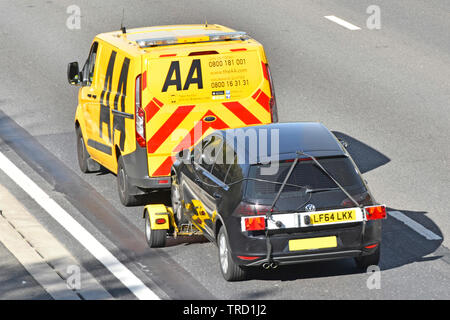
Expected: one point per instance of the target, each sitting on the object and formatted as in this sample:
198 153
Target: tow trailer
160 222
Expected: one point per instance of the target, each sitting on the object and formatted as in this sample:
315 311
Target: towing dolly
160 222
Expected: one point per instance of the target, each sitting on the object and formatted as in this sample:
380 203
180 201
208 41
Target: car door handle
217 195
93 96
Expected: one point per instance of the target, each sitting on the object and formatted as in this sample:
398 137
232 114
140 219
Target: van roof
141 38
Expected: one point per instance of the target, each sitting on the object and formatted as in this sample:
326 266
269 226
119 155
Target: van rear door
188 93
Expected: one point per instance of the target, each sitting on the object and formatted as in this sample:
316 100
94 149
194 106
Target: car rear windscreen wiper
321 190
330 176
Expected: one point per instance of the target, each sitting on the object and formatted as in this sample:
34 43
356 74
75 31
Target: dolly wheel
155 238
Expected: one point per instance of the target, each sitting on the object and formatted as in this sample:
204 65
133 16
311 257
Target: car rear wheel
126 198
82 153
230 270
155 238
372 259
177 202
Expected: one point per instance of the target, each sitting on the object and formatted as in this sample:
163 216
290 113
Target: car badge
310 207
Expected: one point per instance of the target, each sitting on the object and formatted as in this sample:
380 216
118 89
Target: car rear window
306 173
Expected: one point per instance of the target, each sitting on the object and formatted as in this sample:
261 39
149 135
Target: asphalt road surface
386 91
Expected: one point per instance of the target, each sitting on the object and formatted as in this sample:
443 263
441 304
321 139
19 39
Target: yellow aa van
148 93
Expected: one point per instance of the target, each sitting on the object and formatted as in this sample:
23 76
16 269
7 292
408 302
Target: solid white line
34 264
136 286
343 23
428 234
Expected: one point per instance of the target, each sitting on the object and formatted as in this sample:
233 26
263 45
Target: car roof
310 137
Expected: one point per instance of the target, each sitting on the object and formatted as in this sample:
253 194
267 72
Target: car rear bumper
300 258
351 239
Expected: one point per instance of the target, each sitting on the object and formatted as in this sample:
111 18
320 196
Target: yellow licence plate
312 243
333 217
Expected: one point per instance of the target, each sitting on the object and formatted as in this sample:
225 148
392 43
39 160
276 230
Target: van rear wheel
123 186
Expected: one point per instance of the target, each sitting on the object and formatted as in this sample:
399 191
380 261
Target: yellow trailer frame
160 222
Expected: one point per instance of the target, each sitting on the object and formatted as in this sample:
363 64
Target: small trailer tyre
155 238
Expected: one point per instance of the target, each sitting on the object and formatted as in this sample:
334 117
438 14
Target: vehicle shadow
365 157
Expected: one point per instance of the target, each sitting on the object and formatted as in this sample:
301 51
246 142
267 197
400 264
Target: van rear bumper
136 168
150 182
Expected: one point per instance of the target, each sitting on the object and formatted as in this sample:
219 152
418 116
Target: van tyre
123 186
155 238
372 259
230 270
82 154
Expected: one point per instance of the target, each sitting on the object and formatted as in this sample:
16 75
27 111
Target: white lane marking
133 283
428 234
343 23
34 263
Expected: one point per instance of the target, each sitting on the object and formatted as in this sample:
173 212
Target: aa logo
173 77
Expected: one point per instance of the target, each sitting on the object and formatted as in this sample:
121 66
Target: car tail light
375 212
255 223
140 114
273 101
362 198
247 209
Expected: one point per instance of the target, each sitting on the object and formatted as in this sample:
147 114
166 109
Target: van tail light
254 223
375 212
273 101
140 114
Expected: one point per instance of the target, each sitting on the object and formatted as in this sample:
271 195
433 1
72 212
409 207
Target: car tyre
82 153
230 270
177 203
155 238
363 262
123 186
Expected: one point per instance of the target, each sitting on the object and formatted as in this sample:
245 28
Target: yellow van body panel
188 89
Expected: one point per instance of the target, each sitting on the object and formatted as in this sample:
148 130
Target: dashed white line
343 23
417 227
133 283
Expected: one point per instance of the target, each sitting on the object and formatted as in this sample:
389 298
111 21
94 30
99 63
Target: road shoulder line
87 240
52 252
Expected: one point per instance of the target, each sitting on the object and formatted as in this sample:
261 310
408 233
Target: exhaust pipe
270 265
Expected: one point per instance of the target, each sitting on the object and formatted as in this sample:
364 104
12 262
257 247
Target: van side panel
188 96
113 113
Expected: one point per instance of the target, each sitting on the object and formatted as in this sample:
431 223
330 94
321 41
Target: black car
277 194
